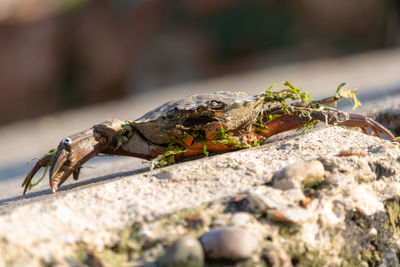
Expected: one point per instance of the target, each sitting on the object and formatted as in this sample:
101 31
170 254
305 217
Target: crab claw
42 162
71 153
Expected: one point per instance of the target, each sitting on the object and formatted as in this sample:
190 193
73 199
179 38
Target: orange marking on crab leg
197 149
214 147
281 124
184 141
188 140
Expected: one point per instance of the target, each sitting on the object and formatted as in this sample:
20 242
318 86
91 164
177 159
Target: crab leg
354 120
296 120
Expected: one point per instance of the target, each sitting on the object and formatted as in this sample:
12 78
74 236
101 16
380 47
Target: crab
196 125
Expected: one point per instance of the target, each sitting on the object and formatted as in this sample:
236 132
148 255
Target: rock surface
350 216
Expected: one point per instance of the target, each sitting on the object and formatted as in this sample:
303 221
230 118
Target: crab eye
66 141
216 105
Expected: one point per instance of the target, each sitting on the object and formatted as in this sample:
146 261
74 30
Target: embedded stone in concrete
229 243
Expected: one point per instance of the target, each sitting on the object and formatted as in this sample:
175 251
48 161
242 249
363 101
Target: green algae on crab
267 97
281 97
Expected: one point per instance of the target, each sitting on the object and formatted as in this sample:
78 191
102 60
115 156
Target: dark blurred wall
58 54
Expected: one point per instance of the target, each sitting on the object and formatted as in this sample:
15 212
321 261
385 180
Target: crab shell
232 110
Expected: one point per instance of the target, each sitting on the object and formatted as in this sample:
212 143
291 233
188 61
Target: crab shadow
95 180
46 193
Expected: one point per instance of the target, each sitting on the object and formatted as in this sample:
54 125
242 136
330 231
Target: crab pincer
67 159
112 137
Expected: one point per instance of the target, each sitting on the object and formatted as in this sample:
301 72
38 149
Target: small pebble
186 251
259 202
229 242
286 215
373 232
305 202
302 173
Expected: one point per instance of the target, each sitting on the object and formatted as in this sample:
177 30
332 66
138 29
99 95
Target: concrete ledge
50 226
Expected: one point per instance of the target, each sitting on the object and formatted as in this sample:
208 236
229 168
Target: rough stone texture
48 227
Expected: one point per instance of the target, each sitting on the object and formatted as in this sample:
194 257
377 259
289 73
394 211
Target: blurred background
68 64
61 54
